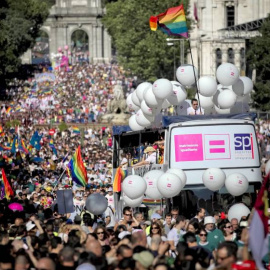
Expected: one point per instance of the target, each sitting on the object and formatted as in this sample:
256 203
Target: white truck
195 144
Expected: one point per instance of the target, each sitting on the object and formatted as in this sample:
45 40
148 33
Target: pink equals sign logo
150 183
211 177
217 146
130 181
169 185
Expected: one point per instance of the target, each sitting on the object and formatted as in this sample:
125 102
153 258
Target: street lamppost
174 66
182 48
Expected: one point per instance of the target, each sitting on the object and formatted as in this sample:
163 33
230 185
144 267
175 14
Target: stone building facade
68 16
221 31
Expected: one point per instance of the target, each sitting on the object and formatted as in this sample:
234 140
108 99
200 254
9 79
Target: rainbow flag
4 148
8 190
8 110
76 130
172 22
118 179
52 146
77 168
22 146
151 202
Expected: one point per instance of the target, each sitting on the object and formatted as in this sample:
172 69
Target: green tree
140 50
20 22
259 58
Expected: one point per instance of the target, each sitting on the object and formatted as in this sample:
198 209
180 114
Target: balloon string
194 76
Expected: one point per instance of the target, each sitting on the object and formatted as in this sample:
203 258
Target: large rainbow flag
77 168
172 22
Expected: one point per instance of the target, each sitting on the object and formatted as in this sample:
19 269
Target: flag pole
197 90
60 177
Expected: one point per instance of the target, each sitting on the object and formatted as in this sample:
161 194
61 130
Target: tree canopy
20 22
259 58
140 50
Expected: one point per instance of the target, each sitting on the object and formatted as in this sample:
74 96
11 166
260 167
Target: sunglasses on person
100 232
128 215
228 227
203 234
155 228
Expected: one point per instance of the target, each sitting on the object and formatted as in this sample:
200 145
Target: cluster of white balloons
235 183
149 99
230 96
155 184
224 97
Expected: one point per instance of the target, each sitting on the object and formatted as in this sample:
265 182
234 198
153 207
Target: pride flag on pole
77 168
172 22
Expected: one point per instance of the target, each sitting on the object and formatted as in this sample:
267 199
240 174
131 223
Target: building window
218 57
230 56
230 16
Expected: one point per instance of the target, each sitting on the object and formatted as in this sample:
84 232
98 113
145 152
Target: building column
90 42
99 41
237 58
107 46
94 38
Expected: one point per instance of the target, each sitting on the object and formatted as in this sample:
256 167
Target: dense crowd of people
79 94
34 235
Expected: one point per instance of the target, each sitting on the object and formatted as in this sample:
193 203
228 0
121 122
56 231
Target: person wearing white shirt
174 234
194 109
151 159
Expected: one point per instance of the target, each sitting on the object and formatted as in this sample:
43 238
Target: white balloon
227 74
147 110
207 86
226 99
162 88
133 123
131 105
267 167
134 186
242 86
169 185
185 75
144 120
151 178
150 99
135 99
238 211
180 173
222 111
215 97
132 202
182 107
205 102
166 104
214 178
179 94
141 89
236 184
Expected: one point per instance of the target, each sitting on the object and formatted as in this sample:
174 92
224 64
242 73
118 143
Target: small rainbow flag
172 22
22 146
77 168
8 190
4 148
8 110
151 202
118 179
76 130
